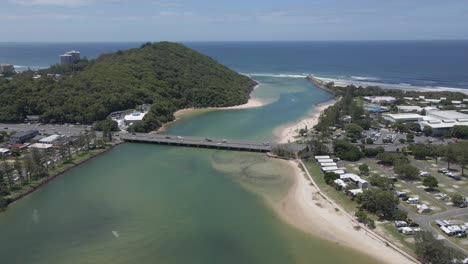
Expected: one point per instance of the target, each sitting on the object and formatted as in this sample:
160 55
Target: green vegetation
167 75
380 202
430 182
23 174
106 125
346 151
283 151
431 250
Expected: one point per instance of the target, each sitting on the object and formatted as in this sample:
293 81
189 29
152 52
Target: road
234 144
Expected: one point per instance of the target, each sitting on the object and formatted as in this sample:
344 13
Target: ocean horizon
402 64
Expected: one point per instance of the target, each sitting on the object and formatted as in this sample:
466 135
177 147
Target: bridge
198 142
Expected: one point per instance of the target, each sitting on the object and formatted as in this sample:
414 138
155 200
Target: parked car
444 171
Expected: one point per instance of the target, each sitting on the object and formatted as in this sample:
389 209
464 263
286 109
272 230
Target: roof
50 139
405 116
380 98
135 116
41 146
409 108
24 133
449 114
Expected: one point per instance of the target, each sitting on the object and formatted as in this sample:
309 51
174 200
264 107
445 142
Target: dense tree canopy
170 76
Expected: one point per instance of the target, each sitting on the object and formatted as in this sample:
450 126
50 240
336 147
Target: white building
70 57
41 146
134 117
50 139
442 121
380 99
403 117
409 108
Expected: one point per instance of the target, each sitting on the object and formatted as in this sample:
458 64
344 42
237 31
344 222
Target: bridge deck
199 142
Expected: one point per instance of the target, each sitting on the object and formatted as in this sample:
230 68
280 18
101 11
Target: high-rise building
6 68
70 57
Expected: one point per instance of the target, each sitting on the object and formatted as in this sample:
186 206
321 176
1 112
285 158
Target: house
134 117
339 171
333 168
409 108
380 99
321 157
50 139
23 136
324 160
328 164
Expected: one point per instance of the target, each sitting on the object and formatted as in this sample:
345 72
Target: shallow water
159 204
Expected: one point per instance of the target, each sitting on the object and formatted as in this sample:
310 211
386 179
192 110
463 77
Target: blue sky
232 20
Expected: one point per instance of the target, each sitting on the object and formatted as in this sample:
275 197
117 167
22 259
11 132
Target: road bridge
198 142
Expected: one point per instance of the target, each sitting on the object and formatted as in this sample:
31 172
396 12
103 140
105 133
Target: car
455 176
5 128
460 235
179 137
442 171
462 205
134 133
225 141
207 139
424 174
168 137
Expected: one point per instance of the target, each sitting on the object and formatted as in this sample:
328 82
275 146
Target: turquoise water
159 204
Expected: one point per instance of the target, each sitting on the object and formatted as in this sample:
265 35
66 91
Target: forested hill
170 76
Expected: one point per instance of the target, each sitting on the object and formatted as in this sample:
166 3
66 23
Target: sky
231 20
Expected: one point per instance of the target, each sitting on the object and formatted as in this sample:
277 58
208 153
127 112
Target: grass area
60 168
405 241
423 195
456 240
338 196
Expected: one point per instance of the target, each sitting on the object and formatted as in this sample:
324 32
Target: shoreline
48 179
251 103
287 133
308 209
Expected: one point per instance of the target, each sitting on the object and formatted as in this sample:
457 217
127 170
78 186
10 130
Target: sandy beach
251 103
306 209
289 132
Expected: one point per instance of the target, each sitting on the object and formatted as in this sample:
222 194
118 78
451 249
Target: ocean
401 64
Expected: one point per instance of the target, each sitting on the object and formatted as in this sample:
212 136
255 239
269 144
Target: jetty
319 83
197 142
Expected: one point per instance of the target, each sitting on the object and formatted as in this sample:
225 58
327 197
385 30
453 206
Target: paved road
198 141
424 222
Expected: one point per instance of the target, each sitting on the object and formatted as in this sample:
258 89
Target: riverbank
289 132
306 208
60 170
251 103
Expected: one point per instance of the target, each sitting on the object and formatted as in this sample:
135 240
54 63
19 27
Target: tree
430 182
433 251
462 155
353 130
382 203
346 151
410 137
450 154
383 183
406 171
391 159
427 130
459 132
457 199
18 165
330 177
364 169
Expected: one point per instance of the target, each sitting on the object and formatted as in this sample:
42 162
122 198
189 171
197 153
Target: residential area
396 162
